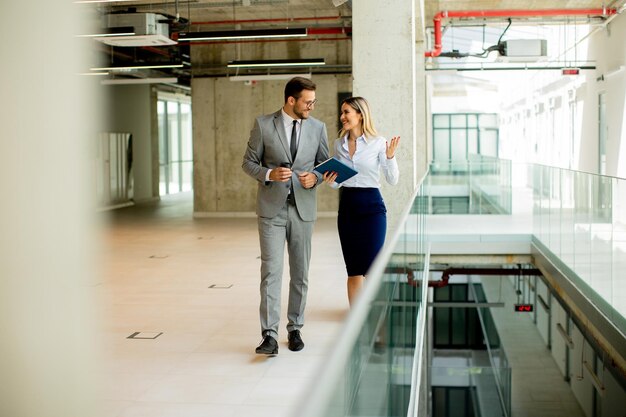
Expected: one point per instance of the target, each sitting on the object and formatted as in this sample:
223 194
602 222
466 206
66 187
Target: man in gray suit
282 151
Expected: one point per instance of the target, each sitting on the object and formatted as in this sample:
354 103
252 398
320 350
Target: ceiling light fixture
136 67
99 1
269 63
114 81
267 77
119 31
242 34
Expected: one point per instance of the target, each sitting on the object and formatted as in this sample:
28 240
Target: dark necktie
294 138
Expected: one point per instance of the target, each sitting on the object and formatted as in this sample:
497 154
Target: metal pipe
293 19
445 276
338 38
507 13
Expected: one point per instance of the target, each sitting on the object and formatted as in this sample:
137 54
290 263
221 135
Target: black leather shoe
269 346
295 341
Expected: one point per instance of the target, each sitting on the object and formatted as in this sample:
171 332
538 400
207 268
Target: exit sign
524 307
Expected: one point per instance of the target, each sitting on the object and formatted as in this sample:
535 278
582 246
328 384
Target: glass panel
578 219
163 148
472 142
458 120
386 336
441 144
472 120
173 132
574 218
441 120
489 142
175 146
488 121
186 133
458 145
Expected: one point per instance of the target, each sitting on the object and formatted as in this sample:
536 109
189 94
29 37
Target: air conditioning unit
147 28
523 50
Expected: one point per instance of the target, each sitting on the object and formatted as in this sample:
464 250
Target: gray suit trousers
286 226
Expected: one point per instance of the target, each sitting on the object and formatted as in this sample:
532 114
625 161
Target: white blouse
369 158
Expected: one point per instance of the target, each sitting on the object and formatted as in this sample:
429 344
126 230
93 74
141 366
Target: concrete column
47 273
388 69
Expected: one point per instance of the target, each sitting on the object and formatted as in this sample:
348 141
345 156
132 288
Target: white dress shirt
368 160
288 124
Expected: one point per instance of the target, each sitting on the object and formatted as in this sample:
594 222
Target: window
175 145
459 135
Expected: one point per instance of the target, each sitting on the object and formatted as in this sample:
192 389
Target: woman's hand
391 146
330 177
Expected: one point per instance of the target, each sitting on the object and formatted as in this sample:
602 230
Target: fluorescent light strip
136 67
93 73
100 1
140 80
118 31
243 34
102 35
262 77
277 63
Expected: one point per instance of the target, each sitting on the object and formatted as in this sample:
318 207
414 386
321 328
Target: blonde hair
360 105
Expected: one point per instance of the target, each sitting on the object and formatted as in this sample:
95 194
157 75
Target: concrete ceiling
209 15
229 10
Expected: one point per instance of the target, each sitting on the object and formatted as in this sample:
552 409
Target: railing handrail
420 328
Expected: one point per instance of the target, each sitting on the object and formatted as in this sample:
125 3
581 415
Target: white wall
608 48
132 109
553 119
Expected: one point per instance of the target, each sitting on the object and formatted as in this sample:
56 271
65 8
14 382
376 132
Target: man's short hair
294 87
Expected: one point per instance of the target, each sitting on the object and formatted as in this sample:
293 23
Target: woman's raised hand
391 146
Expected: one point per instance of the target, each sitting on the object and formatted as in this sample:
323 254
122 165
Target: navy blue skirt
362 224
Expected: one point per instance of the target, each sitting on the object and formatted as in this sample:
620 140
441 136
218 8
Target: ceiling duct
148 30
523 50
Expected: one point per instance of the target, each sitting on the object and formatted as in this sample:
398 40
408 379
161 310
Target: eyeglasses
310 104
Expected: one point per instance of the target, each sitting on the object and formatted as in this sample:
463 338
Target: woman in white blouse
362 218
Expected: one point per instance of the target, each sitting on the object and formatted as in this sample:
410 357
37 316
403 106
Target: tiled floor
160 265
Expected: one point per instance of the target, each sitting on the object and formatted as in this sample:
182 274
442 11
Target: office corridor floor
187 289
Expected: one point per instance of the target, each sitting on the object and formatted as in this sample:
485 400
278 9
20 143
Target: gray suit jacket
268 148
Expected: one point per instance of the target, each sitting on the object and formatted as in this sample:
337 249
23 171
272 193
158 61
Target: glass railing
378 366
579 221
494 386
481 185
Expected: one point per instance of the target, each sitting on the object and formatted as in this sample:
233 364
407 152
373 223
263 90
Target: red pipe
445 276
508 13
